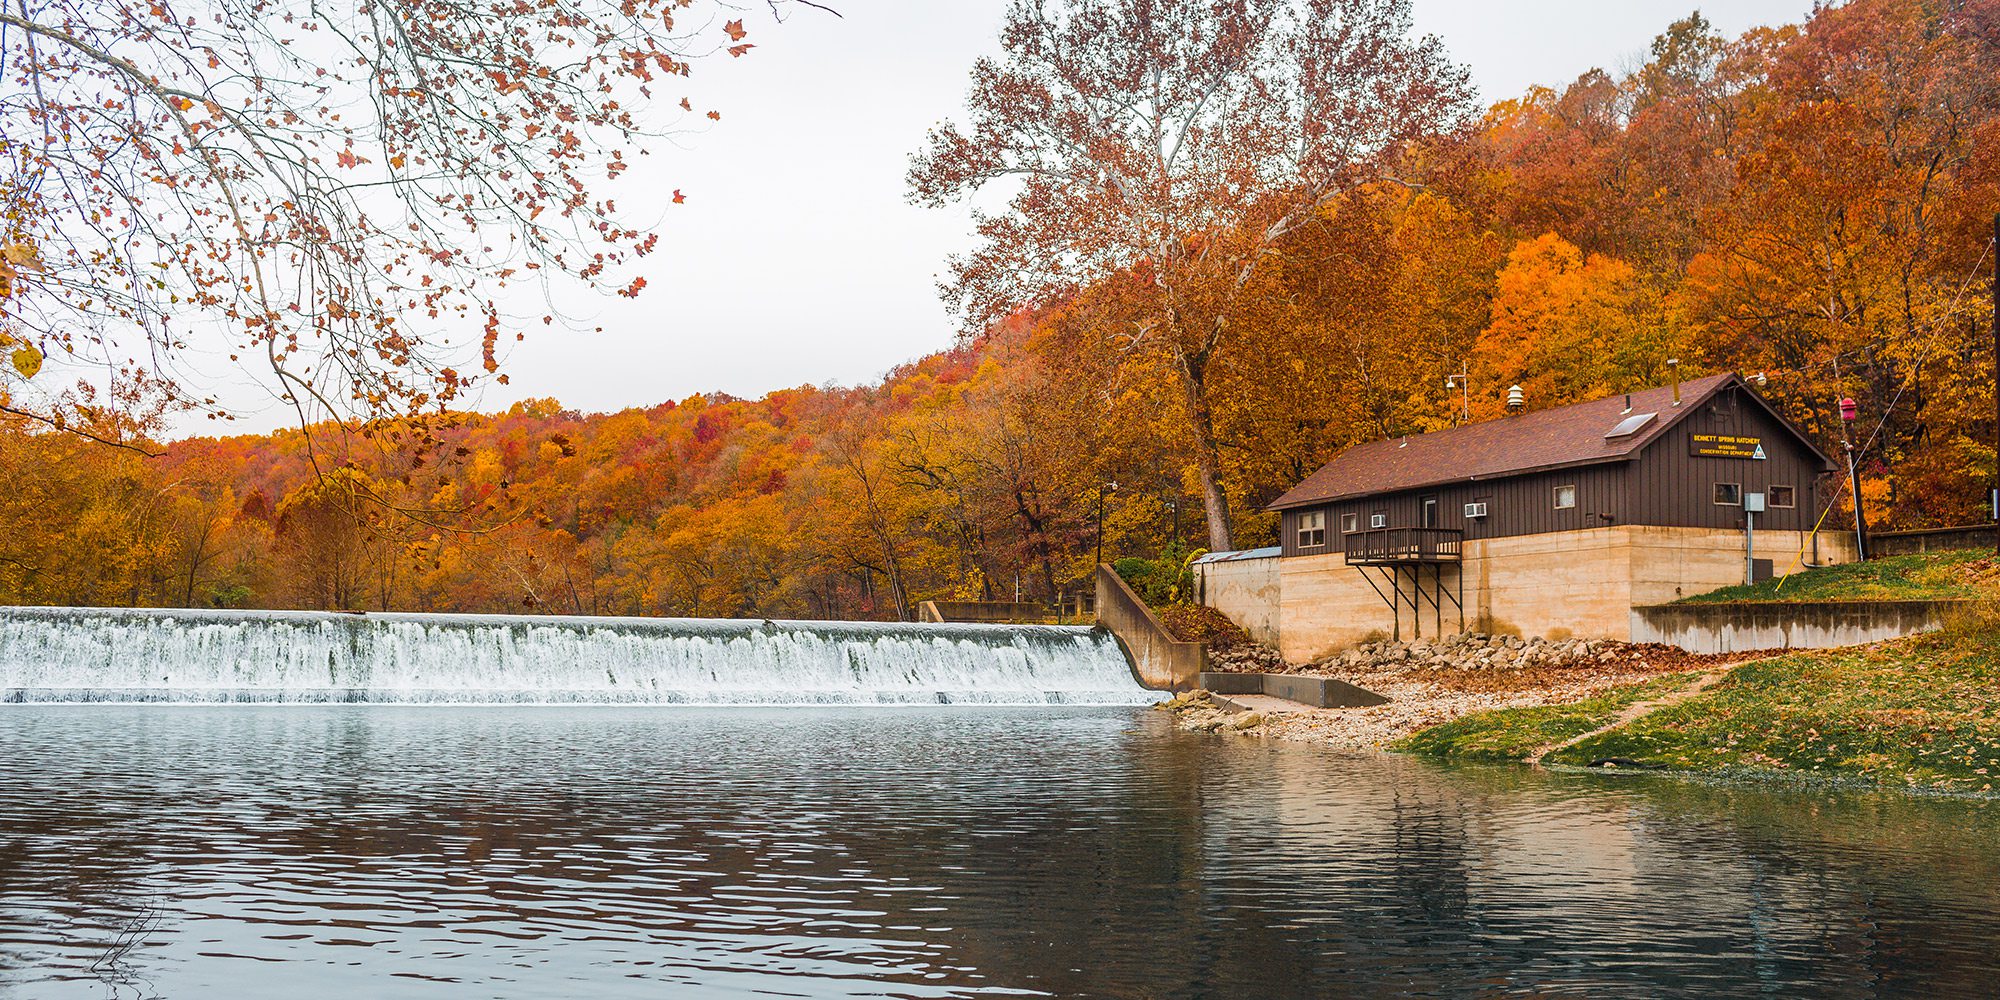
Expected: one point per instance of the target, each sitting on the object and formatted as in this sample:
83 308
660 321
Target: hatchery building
1551 522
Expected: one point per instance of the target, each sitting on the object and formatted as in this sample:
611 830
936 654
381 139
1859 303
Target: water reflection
390 852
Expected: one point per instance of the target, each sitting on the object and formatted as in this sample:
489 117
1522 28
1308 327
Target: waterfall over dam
109 655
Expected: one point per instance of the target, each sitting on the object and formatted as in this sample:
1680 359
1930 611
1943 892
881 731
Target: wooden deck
1405 546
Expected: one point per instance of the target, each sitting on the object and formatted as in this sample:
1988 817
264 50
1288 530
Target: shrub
1166 580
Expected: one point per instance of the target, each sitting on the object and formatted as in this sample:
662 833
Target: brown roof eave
1509 474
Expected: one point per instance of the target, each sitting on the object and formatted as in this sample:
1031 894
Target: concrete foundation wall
1579 581
1325 605
1582 583
1730 628
1247 590
1671 563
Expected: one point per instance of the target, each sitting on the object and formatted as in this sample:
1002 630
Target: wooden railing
1405 545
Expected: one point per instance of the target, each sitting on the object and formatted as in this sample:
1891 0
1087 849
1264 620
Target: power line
1938 328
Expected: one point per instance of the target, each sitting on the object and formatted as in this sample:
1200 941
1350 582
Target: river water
350 851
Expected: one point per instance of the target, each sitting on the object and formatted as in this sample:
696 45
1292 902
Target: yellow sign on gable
1726 446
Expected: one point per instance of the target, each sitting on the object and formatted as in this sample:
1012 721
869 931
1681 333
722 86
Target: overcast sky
795 258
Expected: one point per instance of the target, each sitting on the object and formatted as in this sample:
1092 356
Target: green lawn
1930 576
1511 734
1922 711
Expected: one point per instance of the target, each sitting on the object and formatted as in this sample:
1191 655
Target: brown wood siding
1516 505
1664 484
1673 487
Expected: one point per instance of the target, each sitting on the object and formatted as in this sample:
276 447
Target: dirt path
1634 712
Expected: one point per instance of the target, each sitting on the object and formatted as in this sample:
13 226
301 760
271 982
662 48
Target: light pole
1847 413
1110 487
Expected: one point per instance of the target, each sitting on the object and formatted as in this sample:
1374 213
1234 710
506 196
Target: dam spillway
191 656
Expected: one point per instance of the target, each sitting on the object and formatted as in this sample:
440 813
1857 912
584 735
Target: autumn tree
1178 141
1852 249
1812 201
330 541
336 198
1363 315
1567 327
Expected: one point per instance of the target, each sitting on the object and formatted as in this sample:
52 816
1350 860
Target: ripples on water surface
358 852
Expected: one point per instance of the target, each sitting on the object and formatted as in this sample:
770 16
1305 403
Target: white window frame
1350 523
1379 519
1558 498
1716 494
1791 497
1312 529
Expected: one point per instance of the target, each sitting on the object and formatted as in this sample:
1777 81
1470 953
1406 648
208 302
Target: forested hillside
1812 202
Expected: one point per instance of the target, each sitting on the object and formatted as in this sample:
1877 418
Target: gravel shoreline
1431 684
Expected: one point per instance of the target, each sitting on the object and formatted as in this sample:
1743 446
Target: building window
1783 496
1729 494
1565 497
1350 523
1378 519
1312 529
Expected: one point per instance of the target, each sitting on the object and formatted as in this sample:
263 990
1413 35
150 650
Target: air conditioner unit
1475 510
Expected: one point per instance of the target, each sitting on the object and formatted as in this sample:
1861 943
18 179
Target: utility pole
1847 413
1463 383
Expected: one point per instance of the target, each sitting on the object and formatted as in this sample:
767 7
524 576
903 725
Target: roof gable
1578 434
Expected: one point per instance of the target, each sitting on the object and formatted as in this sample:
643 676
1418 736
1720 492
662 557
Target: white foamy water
96 655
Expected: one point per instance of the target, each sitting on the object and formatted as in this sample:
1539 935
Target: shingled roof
1554 438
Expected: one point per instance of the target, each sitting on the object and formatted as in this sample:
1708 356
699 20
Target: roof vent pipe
1628 404
1516 398
1675 364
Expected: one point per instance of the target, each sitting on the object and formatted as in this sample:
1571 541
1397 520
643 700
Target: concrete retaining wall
983 611
1729 628
1905 543
1160 660
1244 586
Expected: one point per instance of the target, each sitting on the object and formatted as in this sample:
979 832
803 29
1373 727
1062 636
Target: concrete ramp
1318 692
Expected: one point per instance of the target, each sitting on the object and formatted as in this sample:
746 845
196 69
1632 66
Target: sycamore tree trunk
1193 369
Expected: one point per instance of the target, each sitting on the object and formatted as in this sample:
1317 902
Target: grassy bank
1516 733
1931 576
1918 712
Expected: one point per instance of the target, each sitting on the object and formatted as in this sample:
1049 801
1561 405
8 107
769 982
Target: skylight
1630 425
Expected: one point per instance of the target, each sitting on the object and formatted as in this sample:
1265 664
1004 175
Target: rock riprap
1480 651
